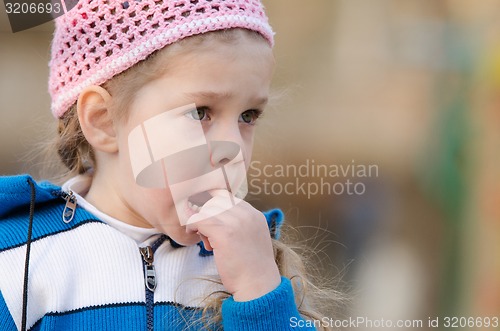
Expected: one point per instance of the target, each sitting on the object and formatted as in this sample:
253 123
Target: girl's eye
250 116
199 114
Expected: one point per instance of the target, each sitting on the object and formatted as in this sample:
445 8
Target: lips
191 197
195 202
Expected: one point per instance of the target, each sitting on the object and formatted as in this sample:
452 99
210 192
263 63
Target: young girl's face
229 84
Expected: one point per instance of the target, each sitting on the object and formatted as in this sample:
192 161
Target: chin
186 239
176 231
180 236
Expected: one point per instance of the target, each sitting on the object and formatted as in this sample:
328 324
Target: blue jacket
86 275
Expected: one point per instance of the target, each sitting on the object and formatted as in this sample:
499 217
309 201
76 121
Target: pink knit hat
99 39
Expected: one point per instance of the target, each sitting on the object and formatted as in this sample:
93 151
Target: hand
240 240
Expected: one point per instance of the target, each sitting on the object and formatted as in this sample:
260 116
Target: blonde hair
78 157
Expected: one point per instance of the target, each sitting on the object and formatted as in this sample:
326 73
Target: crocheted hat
99 39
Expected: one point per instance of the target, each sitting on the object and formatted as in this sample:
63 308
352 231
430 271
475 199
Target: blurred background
400 101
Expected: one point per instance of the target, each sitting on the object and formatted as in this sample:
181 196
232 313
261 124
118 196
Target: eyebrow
226 95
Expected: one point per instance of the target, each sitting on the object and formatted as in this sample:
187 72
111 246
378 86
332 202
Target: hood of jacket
15 193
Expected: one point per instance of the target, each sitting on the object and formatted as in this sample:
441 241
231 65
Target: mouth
195 202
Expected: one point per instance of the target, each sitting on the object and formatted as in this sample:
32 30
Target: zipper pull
69 207
149 268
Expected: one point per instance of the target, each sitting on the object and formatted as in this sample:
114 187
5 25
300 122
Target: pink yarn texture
99 39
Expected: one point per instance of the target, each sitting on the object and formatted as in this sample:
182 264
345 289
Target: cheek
247 143
154 205
141 197
158 198
124 156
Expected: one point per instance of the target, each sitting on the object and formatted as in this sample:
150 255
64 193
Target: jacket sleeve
6 321
273 311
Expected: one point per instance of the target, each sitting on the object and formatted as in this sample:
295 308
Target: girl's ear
96 120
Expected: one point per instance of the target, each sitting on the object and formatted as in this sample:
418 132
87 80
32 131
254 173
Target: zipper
149 269
150 281
69 207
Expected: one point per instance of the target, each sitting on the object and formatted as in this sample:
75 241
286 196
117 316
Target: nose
225 143
222 152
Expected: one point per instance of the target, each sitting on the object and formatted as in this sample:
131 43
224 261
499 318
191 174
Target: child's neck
104 195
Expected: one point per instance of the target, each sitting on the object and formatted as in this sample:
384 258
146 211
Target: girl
143 237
